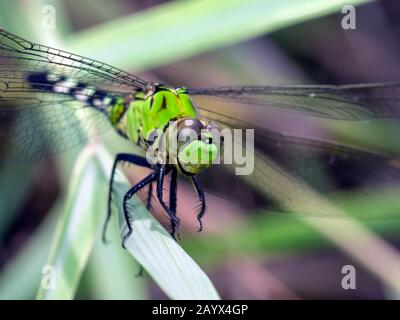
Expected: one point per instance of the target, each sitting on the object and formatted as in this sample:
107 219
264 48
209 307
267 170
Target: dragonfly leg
149 196
173 198
131 192
121 157
172 214
202 199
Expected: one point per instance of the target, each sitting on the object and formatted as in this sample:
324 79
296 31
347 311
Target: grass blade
77 227
159 254
162 257
181 29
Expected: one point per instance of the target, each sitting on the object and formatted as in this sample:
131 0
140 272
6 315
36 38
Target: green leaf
112 274
76 229
150 244
159 254
181 29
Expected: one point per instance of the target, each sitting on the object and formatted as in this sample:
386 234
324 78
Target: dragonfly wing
35 123
351 102
30 57
323 165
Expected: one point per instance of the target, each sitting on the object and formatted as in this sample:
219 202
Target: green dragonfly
42 89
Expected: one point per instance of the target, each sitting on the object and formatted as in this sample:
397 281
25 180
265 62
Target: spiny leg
149 179
149 196
202 199
160 183
148 206
173 189
173 186
121 157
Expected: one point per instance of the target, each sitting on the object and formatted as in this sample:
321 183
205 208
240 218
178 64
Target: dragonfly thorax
164 122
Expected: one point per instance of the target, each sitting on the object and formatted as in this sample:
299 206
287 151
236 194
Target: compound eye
194 124
189 129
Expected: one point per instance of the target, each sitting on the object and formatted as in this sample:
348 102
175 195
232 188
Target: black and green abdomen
134 116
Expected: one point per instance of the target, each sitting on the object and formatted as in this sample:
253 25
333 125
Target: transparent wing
326 166
352 102
19 54
36 124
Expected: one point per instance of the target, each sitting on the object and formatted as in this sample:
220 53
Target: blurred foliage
141 38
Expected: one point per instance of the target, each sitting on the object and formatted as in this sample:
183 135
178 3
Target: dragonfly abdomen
46 81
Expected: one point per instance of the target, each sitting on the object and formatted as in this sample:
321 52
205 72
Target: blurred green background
248 250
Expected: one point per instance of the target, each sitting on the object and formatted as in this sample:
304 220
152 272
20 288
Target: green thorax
147 112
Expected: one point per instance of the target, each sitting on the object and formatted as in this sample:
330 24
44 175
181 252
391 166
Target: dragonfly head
198 144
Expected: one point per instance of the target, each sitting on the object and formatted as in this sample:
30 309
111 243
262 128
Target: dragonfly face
196 145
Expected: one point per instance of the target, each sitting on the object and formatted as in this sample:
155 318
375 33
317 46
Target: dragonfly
43 88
